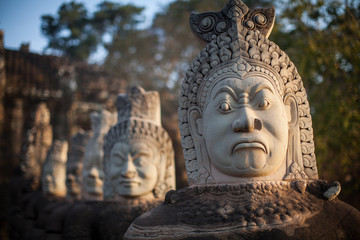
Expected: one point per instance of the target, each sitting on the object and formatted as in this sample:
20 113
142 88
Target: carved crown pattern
207 26
138 103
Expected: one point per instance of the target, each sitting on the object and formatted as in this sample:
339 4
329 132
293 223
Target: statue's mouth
72 185
94 182
247 143
129 183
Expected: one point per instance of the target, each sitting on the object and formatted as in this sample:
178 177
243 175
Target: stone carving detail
251 46
137 104
230 212
38 143
54 170
93 170
139 158
209 25
74 165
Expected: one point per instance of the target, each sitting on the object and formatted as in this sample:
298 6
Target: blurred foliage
76 33
321 37
323 40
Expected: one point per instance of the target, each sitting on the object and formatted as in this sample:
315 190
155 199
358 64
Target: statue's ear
291 108
195 122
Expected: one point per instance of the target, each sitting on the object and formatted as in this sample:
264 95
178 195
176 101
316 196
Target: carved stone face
53 180
42 115
93 173
245 127
74 178
133 170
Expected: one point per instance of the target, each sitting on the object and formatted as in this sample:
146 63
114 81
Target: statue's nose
129 169
94 173
246 121
48 177
70 178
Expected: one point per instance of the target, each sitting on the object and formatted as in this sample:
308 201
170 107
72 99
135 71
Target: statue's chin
94 190
248 172
245 164
248 159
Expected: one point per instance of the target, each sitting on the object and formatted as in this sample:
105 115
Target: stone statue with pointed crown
54 170
138 153
247 138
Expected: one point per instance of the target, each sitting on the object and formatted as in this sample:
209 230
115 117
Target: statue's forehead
242 85
134 144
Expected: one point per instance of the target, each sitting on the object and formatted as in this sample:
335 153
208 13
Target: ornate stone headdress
236 43
139 118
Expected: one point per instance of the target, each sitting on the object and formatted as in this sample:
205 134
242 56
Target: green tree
324 43
70 32
75 33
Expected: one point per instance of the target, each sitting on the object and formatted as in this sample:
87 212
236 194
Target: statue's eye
224 107
141 161
264 103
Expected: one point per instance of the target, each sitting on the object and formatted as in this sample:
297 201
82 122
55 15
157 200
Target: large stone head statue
54 170
138 153
93 171
243 110
74 165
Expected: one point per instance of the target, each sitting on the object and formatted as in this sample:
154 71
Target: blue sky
20 19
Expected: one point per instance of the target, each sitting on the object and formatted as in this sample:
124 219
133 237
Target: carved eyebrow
136 154
225 89
135 151
119 154
258 87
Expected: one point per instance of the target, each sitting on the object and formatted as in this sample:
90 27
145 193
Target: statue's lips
130 183
92 182
250 144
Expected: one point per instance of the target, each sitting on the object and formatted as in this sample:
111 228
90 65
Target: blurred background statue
93 170
38 143
74 164
54 170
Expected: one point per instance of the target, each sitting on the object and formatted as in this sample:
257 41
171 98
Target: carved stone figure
54 170
139 170
74 164
139 158
247 137
39 140
93 170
